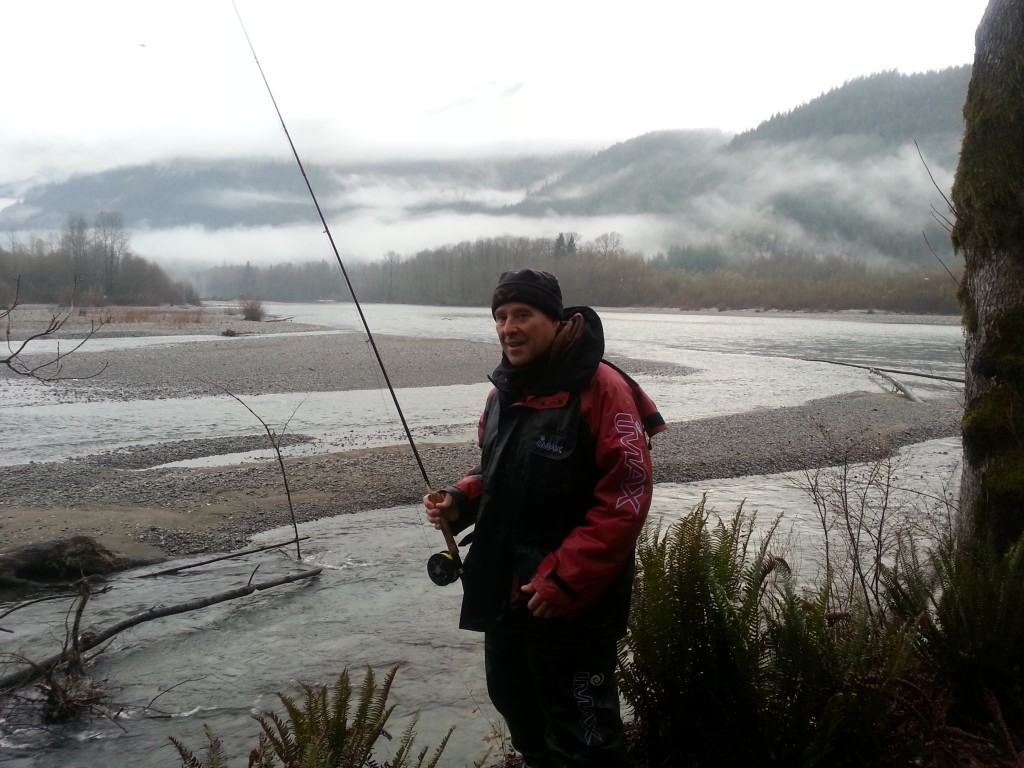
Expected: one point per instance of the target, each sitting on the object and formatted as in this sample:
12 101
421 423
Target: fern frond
215 755
188 758
338 726
405 745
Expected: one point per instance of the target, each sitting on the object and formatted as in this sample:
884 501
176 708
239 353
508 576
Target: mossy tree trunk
988 197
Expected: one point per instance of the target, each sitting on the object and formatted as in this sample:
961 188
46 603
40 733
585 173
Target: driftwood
90 641
167 571
885 370
902 388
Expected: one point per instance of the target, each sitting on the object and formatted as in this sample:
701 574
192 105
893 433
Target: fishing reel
443 568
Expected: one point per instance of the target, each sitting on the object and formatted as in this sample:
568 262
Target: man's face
525 332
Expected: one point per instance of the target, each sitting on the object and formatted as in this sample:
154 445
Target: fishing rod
444 567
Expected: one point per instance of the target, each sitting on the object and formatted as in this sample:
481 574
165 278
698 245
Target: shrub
694 650
252 309
967 606
900 656
720 640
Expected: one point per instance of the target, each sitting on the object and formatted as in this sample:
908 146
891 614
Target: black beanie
529 286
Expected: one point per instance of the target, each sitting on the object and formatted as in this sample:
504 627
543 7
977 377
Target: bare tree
989 233
111 240
609 244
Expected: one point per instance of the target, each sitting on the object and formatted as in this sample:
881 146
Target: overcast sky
90 84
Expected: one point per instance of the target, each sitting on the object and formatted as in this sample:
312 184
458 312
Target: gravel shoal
282 363
173 511
137 507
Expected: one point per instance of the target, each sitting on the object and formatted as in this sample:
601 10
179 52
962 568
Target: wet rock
59 561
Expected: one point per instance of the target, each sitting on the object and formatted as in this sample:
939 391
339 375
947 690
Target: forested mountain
847 175
891 106
262 192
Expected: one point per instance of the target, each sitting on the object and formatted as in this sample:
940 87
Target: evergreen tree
560 247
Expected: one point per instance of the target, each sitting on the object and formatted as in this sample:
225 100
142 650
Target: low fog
858 197
757 202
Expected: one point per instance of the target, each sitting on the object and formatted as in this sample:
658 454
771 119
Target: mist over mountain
850 174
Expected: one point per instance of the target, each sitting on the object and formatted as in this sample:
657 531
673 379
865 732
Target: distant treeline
601 274
89 265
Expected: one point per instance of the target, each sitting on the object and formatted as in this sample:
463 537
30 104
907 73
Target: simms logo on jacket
551 445
634 486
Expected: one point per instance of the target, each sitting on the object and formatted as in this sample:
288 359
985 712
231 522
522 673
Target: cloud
118 82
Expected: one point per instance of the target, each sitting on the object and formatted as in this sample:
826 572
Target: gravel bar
136 506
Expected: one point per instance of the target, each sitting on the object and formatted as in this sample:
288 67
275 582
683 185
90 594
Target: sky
95 84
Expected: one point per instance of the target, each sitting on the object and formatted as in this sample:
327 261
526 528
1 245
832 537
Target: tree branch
37 669
15 349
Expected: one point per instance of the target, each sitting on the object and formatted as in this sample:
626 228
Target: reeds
160 315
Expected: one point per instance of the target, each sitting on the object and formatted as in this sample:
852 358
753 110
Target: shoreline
142 510
154 513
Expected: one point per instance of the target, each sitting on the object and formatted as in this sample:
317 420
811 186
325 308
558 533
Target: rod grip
446 529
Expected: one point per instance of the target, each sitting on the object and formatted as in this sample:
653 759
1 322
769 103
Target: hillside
848 174
891 106
263 192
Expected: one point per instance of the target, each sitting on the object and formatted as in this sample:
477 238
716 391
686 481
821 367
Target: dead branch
33 601
51 370
937 258
86 643
26 603
167 571
943 220
74 653
277 450
149 707
945 198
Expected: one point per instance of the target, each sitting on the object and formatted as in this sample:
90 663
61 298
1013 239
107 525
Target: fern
324 732
720 640
215 755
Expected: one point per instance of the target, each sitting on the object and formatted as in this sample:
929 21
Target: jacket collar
571 370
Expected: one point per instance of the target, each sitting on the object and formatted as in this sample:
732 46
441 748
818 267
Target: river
373 605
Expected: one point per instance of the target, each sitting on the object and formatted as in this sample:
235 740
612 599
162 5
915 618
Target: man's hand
540 607
440 506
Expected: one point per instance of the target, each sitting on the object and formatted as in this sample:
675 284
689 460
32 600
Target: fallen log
240 553
884 370
86 643
897 385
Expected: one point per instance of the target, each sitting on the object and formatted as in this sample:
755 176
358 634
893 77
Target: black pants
559 700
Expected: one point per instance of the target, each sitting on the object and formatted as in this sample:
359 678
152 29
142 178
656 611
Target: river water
373 605
745 362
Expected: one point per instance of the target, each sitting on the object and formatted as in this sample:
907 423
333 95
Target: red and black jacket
561 494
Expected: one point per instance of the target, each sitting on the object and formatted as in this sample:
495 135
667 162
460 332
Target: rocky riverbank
133 504
164 511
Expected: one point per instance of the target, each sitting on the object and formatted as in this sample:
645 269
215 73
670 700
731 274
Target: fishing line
444 567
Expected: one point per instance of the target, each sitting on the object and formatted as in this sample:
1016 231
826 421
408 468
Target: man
558 500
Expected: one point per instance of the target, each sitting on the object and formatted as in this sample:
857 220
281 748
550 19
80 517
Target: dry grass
162 315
